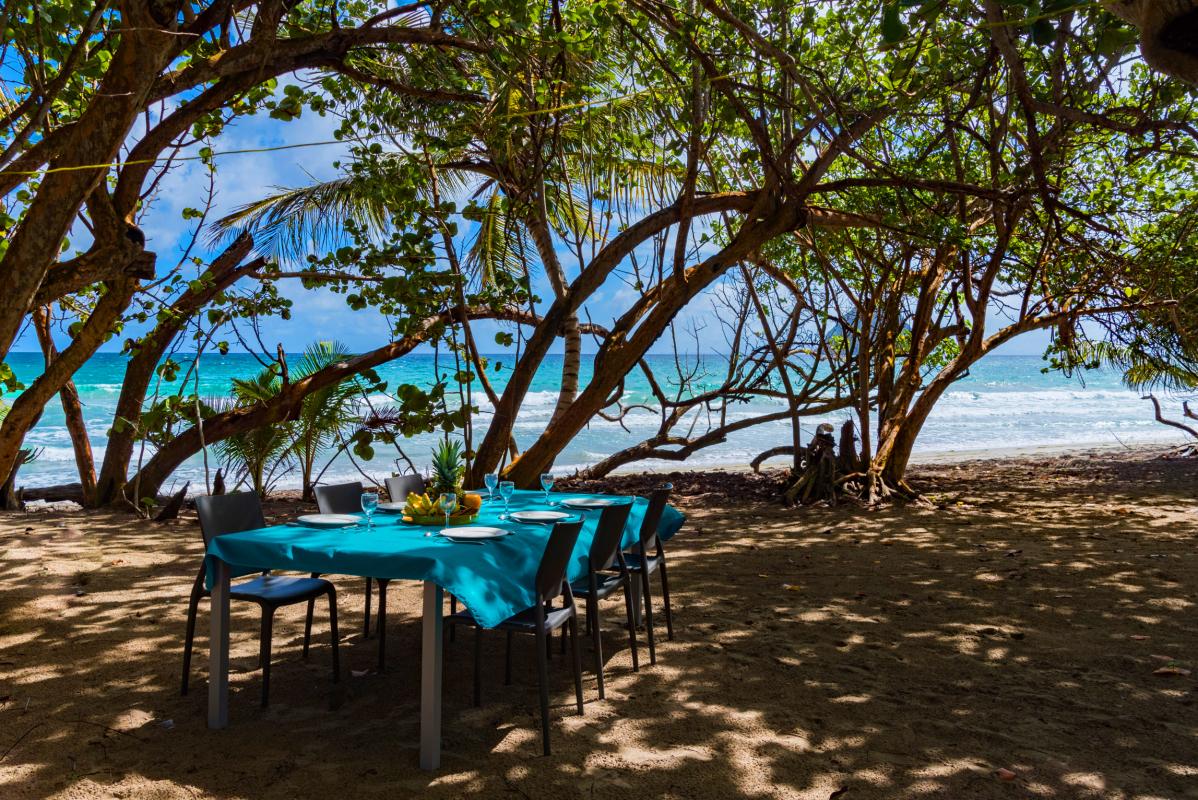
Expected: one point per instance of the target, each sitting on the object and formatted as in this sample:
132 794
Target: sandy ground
1028 634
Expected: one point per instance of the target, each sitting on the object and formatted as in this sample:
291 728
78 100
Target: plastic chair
647 557
541 620
400 486
607 573
346 498
233 513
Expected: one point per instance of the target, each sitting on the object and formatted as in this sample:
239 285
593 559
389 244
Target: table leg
218 649
430 677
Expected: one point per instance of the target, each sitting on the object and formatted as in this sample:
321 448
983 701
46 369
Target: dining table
494 578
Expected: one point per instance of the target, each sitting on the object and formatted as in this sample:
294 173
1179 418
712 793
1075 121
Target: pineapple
448 469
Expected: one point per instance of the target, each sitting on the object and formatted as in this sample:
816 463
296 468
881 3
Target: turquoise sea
1006 404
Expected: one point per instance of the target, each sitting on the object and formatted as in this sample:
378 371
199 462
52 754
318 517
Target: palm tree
263 454
324 415
527 201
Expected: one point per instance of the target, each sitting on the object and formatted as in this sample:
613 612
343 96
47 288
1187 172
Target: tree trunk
495 443
27 408
72 410
637 330
148 353
282 406
1168 33
94 140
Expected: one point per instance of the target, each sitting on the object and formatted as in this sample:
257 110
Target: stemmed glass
492 480
506 490
449 502
370 504
547 484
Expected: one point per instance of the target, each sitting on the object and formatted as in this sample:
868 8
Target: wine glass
449 502
492 480
506 490
547 484
370 504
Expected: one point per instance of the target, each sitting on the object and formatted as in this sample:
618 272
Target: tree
184 69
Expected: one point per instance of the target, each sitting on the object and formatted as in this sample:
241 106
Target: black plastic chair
398 489
541 620
607 573
400 486
346 498
647 557
233 513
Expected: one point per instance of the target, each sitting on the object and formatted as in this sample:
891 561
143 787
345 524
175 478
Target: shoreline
997 456
945 457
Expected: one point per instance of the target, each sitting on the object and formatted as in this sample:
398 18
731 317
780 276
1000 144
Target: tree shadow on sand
904 652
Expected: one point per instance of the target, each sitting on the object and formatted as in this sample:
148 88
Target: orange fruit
472 502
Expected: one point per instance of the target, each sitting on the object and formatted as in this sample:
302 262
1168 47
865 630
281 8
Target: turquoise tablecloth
494 580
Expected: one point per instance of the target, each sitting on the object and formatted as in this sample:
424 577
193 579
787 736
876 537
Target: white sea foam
1005 403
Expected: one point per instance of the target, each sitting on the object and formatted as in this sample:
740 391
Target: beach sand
1027 633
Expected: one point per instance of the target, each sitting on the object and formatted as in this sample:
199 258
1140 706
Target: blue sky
318 314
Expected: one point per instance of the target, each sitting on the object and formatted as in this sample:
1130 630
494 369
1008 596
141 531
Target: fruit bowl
439 519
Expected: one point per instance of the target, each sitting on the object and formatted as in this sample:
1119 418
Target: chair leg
382 626
308 627
563 641
665 599
577 660
193 607
507 661
648 615
543 648
478 665
333 634
268 618
630 611
453 609
597 639
366 616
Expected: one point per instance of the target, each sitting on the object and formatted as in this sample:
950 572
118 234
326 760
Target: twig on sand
107 728
21 738
1126 446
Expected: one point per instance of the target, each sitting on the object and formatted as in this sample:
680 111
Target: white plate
539 516
589 502
393 508
328 520
476 532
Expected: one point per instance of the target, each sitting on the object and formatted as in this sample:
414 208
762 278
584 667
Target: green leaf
893 29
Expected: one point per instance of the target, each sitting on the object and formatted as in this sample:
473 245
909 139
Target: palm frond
494 249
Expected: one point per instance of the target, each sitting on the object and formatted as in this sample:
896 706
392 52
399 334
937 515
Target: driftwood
817 477
773 452
172 508
848 460
218 483
830 469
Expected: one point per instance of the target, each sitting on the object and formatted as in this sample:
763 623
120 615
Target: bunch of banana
420 505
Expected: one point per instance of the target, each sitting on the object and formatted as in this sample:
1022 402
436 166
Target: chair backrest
229 513
609 534
341 498
556 560
400 486
657 504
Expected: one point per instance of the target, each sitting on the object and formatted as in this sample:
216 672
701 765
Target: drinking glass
506 490
547 484
449 502
492 480
370 504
